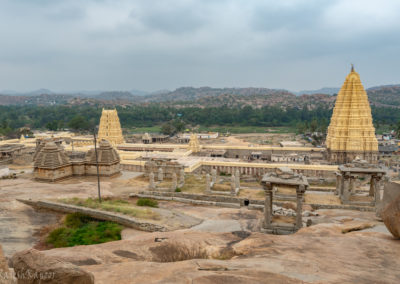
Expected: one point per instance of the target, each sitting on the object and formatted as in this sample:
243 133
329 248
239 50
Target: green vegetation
147 202
156 117
113 205
178 189
80 229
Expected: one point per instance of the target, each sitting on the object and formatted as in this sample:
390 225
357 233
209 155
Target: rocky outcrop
5 273
391 217
32 266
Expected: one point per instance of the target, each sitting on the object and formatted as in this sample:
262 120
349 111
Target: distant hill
328 91
387 96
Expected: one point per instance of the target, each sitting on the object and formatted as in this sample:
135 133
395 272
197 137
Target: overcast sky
151 45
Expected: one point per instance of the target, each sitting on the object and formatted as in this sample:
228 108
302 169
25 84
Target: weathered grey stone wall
223 201
98 214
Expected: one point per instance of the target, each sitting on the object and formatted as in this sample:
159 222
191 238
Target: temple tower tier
351 133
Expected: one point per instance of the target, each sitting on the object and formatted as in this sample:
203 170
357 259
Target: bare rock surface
5 273
32 266
316 254
391 217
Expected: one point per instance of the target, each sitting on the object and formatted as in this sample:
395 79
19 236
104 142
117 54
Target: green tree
53 126
167 128
78 122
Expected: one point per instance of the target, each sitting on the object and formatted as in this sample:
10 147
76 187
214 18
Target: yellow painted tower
351 132
110 127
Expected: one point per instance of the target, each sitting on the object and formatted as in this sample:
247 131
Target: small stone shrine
282 225
52 163
108 159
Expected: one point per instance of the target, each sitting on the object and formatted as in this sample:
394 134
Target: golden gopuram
351 133
110 127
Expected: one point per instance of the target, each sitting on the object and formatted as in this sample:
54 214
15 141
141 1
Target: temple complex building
110 127
351 133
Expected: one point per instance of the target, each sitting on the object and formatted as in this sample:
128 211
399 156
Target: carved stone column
378 184
214 175
160 174
338 183
151 181
174 181
299 210
346 187
208 186
181 177
372 185
268 205
233 188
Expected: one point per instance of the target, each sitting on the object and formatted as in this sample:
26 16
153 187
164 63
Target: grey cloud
157 44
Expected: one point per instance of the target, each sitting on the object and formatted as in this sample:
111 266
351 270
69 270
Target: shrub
178 189
147 202
80 229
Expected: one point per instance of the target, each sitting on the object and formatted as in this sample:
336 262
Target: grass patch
147 202
221 187
194 184
80 229
150 129
113 205
247 129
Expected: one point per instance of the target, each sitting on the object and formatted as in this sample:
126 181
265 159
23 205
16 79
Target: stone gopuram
351 132
110 127
194 144
282 225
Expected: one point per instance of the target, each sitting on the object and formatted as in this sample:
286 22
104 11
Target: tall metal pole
97 165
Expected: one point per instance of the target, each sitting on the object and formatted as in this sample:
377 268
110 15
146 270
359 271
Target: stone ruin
171 170
167 166
283 224
347 175
52 163
212 180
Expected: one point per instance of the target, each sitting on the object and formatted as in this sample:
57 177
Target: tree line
86 117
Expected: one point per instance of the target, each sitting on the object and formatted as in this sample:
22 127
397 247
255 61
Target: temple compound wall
52 163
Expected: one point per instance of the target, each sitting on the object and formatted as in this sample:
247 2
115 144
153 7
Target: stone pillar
299 210
214 176
208 186
346 187
233 189
237 182
352 185
267 205
338 183
160 174
237 179
181 177
174 181
372 186
378 183
151 181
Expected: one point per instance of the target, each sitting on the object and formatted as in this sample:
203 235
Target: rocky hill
387 96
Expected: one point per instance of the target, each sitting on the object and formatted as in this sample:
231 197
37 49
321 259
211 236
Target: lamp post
97 164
